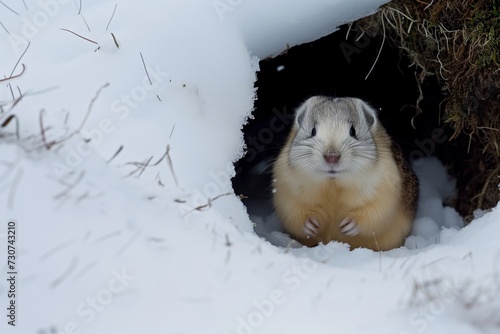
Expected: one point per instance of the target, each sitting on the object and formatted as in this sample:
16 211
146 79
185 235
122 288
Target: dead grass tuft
459 43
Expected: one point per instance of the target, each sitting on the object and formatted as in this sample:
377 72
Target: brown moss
459 43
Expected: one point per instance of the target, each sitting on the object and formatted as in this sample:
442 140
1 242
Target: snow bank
270 27
125 217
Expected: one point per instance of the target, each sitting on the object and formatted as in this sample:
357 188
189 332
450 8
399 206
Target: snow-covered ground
115 166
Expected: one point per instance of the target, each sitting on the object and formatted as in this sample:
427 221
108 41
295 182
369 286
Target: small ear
300 114
369 113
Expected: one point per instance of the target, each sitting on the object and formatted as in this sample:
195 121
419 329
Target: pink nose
332 158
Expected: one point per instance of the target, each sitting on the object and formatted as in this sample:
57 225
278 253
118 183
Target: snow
114 244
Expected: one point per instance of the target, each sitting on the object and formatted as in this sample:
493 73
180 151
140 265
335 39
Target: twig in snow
141 166
20 93
107 236
79 274
85 21
19 60
116 154
171 132
228 245
24 3
10 168
147 73
128 243
112 15
80 8
156 239
85 38
228 242
13 188
114 40
12 10
8 120
11 91
159 180
1 24
70 186
171 166
57 249
208 205
86 195
144 167
49 145
91 105
66 118
145 68
42 129
72 266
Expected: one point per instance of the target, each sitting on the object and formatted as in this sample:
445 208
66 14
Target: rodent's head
334 137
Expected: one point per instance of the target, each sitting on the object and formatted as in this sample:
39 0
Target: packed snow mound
270 27
119 124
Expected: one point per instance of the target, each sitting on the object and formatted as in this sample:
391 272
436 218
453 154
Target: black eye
313 132
352 132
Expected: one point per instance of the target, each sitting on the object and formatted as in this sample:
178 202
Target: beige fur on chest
372 199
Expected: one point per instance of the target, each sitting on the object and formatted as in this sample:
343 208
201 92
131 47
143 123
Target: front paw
349 227
311 228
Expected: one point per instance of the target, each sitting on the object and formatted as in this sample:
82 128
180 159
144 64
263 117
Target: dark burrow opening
338 65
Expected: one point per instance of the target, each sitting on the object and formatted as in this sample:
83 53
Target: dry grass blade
85 38
85 21
12 10
112 15
116 154
94 99
7 122
141 170
11 91
141 166
207 205
13 188
14 76
379 52
47 145
56 249
172 131
72 266
128 243
115 41
4 28
19 60
70 187
171 166
145 68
